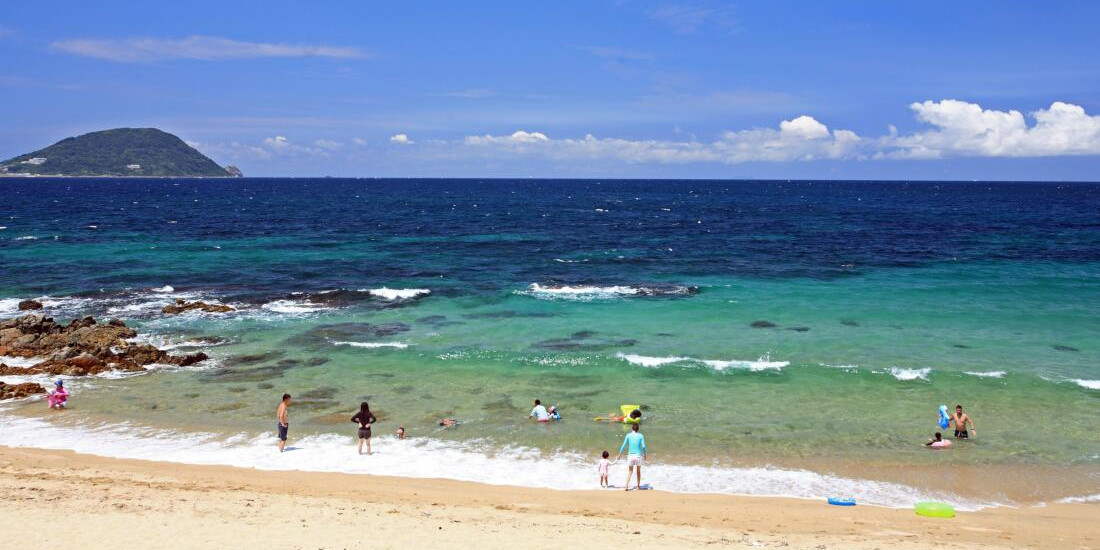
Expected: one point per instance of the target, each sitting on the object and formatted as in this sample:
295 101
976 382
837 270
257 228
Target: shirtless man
960 420
283 421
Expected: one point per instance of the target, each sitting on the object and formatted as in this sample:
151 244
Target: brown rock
19 391
182 305
27 305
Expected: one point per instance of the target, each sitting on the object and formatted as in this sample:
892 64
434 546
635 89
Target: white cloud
209 48
965 129
686 19
472 93
802 138
401 138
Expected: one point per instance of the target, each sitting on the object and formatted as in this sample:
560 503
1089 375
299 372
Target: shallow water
756 322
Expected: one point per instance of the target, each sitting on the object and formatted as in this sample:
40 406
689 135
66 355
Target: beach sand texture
59 498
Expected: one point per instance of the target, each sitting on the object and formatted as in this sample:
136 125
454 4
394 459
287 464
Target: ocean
783 338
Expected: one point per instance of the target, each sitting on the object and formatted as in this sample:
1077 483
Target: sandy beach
59 498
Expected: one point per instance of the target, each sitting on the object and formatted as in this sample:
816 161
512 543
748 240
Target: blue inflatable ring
835 501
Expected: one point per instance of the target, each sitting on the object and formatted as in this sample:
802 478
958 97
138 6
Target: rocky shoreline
83 347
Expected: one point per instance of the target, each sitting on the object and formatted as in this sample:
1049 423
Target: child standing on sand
604 464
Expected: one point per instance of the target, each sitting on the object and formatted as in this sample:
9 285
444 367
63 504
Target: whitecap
473 461
399 293
397 345
764 363
292 306
583 292
909 374
164 289
987 374
1090 384
1079 499
26 238
651 362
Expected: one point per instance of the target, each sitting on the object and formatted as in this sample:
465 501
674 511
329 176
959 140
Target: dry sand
67 500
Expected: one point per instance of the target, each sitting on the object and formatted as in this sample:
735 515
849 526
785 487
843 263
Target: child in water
400 433
937 442
604 464
59 398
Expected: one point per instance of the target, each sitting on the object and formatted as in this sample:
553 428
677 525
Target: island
119 152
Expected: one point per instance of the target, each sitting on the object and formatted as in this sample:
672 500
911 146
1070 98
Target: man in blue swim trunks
634 444
282 419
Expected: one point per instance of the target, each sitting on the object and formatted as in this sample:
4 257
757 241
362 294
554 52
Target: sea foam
1090 384
398 345
421 456
398 293
909 374
763 363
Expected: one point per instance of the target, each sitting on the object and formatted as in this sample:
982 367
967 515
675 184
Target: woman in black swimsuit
364 418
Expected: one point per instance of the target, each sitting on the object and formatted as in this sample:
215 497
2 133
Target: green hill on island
139 152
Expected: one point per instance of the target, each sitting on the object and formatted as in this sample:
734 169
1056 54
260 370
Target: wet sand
61 498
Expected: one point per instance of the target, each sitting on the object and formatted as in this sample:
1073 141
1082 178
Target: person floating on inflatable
59 398
631 414
938 442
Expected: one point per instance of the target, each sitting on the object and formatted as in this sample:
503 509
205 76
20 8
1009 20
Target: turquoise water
877 311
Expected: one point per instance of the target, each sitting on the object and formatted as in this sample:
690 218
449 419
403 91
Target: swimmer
539 413
937 442
448 422
400 433
961 420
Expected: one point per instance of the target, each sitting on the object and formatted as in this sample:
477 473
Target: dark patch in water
226 407
309 404
428 397
665 334
567 344
432 320
333 419
501 405
960 346
849 323
316 361
321 336
799 329
265 386
237 389
258 374
579 394
404 389
583 334
763 324
1060 347
191 395
252 359
327 392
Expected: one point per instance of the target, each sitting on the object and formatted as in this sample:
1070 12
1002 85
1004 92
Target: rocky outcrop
81 348
19 391
27 305
182 305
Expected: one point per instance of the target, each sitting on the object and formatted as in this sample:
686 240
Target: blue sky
695 89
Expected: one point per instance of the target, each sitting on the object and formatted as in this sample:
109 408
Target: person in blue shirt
634 444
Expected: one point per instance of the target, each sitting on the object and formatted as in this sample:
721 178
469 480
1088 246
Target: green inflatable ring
935 509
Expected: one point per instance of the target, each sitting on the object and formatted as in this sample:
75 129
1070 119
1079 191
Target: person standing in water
961 420
283 421
634 443
365 418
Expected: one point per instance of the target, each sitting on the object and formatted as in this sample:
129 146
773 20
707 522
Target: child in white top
604 464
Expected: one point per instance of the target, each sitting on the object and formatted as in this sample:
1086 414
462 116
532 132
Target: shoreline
124 501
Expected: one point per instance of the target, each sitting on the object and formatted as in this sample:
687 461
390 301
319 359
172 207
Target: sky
998 90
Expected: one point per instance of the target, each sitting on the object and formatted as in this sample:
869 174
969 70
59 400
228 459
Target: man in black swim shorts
282 419
961 419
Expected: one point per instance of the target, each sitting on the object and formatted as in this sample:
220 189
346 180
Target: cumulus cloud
965 129
802 138
401 138
207 48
